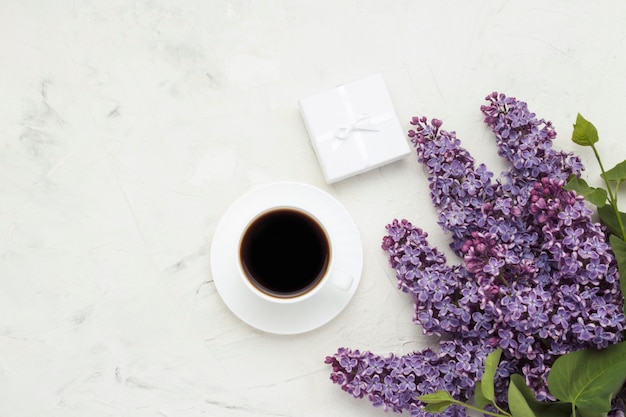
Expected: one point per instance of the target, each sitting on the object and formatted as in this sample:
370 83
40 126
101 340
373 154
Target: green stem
501 410
482 411
612 197
501 276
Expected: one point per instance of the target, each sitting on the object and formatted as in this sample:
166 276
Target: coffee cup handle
341 280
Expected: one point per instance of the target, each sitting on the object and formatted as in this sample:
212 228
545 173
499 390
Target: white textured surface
128 128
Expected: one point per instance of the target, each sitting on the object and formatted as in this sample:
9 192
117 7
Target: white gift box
354 128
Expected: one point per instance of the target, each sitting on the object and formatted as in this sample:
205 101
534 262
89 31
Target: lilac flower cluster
538 279
393 382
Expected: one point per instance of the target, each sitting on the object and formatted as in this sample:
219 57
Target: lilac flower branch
586 134
537 280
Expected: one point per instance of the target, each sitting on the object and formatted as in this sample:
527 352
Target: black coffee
284 252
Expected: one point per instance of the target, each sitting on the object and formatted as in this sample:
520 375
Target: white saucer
312 312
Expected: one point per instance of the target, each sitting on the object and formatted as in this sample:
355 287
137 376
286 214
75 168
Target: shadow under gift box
354 128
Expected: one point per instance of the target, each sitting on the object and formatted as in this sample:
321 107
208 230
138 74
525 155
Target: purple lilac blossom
538 279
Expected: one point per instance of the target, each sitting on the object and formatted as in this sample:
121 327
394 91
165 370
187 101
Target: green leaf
596 196
437 408
437 401
520 397
585 133
582 412
619 250
617 173
589 378
479 399
491 365
608 218
518 404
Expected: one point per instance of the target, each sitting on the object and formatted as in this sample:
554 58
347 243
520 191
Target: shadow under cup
284 253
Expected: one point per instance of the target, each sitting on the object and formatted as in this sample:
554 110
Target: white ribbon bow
364 122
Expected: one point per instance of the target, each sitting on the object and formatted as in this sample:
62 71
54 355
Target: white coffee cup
286 255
